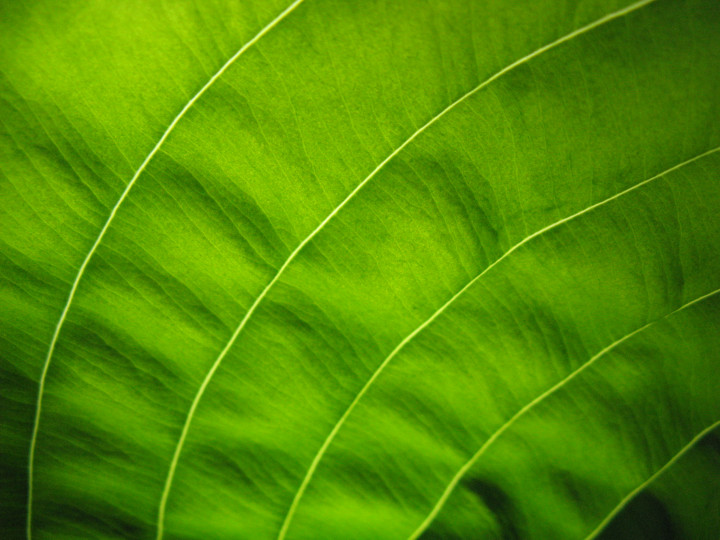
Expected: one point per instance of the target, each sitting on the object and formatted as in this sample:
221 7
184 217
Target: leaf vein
216 364
427 322
625 500
560 384
103 231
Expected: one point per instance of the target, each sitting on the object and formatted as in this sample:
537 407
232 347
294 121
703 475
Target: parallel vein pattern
562 383
364 283
103 231
299 248
443 308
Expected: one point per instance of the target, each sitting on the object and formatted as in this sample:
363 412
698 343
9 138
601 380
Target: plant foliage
370 269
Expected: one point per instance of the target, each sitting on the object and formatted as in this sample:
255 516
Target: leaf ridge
103 231
468 465
625 500
427 322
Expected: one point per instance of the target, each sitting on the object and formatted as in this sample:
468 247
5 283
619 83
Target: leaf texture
390 270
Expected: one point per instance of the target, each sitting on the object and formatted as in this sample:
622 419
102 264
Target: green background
546 209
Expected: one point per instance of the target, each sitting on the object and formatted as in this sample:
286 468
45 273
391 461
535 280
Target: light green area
507 330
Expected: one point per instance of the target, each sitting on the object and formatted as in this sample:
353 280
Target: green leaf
353 270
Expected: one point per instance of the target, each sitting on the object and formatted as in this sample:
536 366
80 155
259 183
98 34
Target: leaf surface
366 269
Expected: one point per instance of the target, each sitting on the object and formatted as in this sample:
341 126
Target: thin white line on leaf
468 465
326 444
298 249
83 266
428 321
650 480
